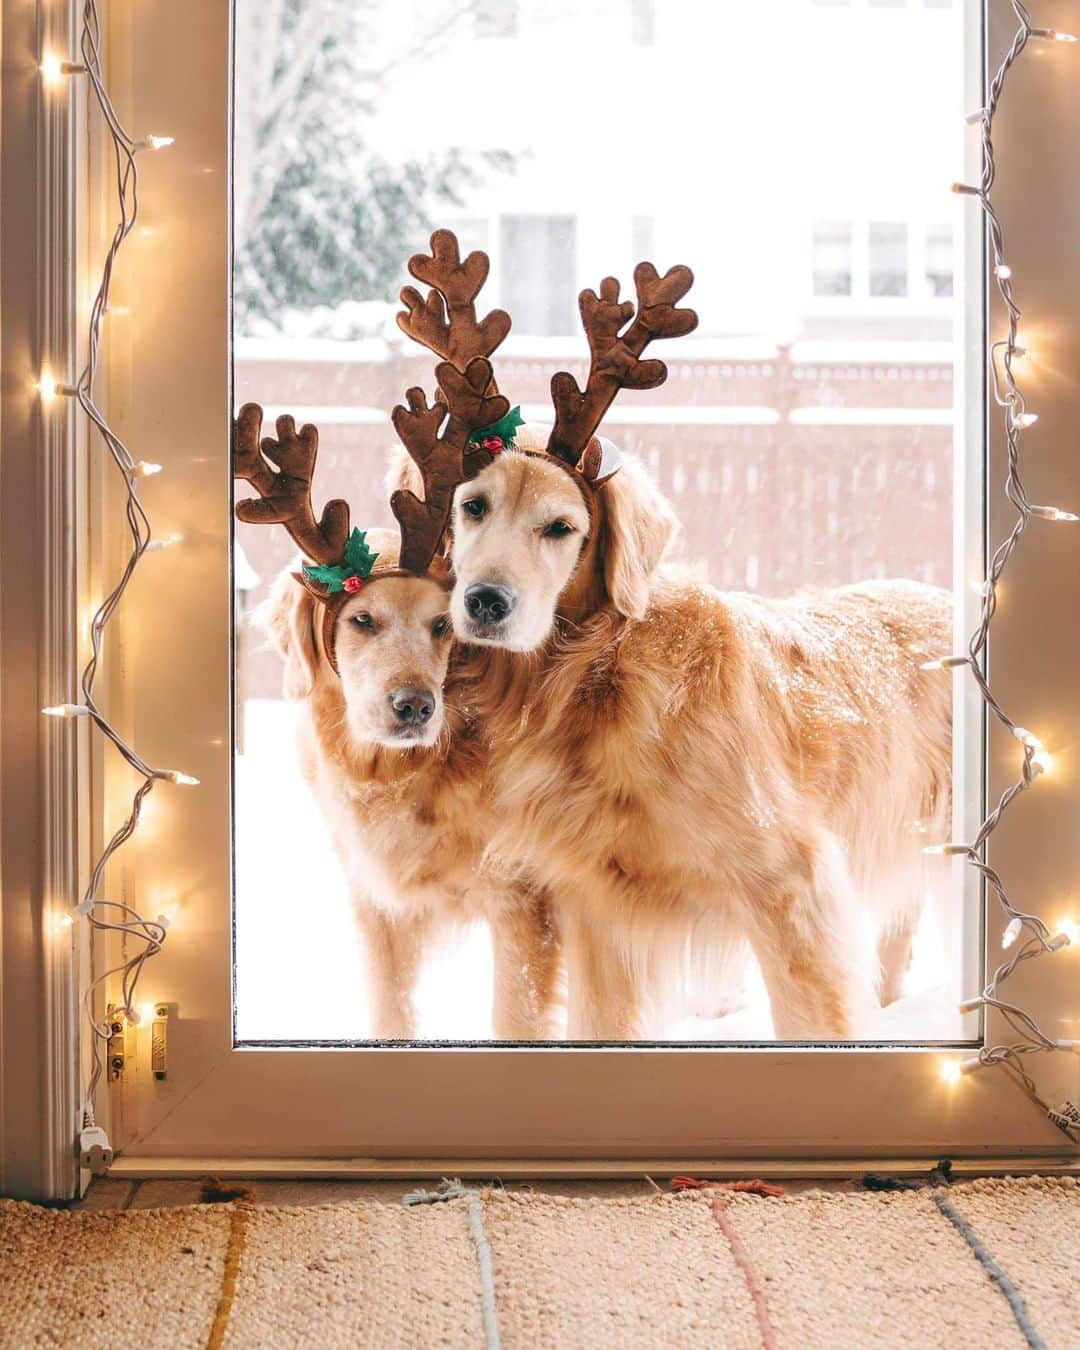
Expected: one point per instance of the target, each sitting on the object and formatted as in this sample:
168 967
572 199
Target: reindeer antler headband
615 361
436 437
617 331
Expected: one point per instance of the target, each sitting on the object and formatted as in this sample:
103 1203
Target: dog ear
639 524
288 616
402 473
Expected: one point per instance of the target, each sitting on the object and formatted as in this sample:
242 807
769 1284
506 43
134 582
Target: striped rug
992 1263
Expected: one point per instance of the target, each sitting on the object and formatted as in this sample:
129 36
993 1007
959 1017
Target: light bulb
144 469
1052 513
175 776
66 710
947 850
946 663
1025 419
1041 762
52 69
66 921
1069 929
146 1011
1052 35
974 118
967 190
1003 271
950 1071
1012 931
969 1005
156 545
157 142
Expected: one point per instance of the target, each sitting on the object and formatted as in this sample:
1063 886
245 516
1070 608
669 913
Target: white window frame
355 1111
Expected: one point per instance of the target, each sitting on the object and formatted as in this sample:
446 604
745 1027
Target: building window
643 239
888 258
643 23
496 19
939 260
832 258
539 274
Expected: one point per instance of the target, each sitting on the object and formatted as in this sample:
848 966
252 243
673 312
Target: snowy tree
320 218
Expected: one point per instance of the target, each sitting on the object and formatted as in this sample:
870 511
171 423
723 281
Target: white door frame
352 1110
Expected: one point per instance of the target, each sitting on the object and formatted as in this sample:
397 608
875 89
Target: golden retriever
399 773
677 762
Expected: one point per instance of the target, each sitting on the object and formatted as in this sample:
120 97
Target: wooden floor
117 1193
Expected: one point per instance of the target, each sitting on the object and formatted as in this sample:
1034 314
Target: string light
1069 929
54 69
109 916
50 390
156 545
946 663
1037 937
1013 929
1051 35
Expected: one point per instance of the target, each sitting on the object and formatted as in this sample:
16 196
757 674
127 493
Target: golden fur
409 820
676 763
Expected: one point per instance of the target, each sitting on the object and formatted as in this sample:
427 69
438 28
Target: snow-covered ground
299 969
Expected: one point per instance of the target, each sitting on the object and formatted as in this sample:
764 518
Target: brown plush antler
467 408
285 495
446 321
616 360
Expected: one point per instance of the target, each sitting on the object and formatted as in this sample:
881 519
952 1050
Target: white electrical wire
1009 396
150 932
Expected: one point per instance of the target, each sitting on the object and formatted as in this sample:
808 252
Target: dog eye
475 507
364 621
558 529
441 626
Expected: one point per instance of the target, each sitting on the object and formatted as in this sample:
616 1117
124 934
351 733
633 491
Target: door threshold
564 1169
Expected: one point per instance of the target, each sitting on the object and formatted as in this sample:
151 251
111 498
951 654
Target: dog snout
487 602
412 705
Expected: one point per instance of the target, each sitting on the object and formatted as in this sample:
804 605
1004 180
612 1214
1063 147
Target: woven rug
993 1263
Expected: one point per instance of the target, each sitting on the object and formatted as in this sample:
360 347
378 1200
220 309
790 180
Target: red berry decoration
352 584
492 443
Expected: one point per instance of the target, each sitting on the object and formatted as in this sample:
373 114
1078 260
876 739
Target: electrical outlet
116 1054
159 1041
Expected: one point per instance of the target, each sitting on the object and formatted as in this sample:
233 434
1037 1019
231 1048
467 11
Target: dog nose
412 704
487 602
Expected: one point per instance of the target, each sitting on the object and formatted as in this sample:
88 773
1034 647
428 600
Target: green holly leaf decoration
358 562
359 559
505 428
333 578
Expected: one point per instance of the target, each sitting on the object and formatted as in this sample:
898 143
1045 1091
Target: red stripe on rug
735 1242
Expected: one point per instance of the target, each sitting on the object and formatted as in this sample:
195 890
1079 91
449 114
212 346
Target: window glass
888 259
540 294
939 260
804 436
832 259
